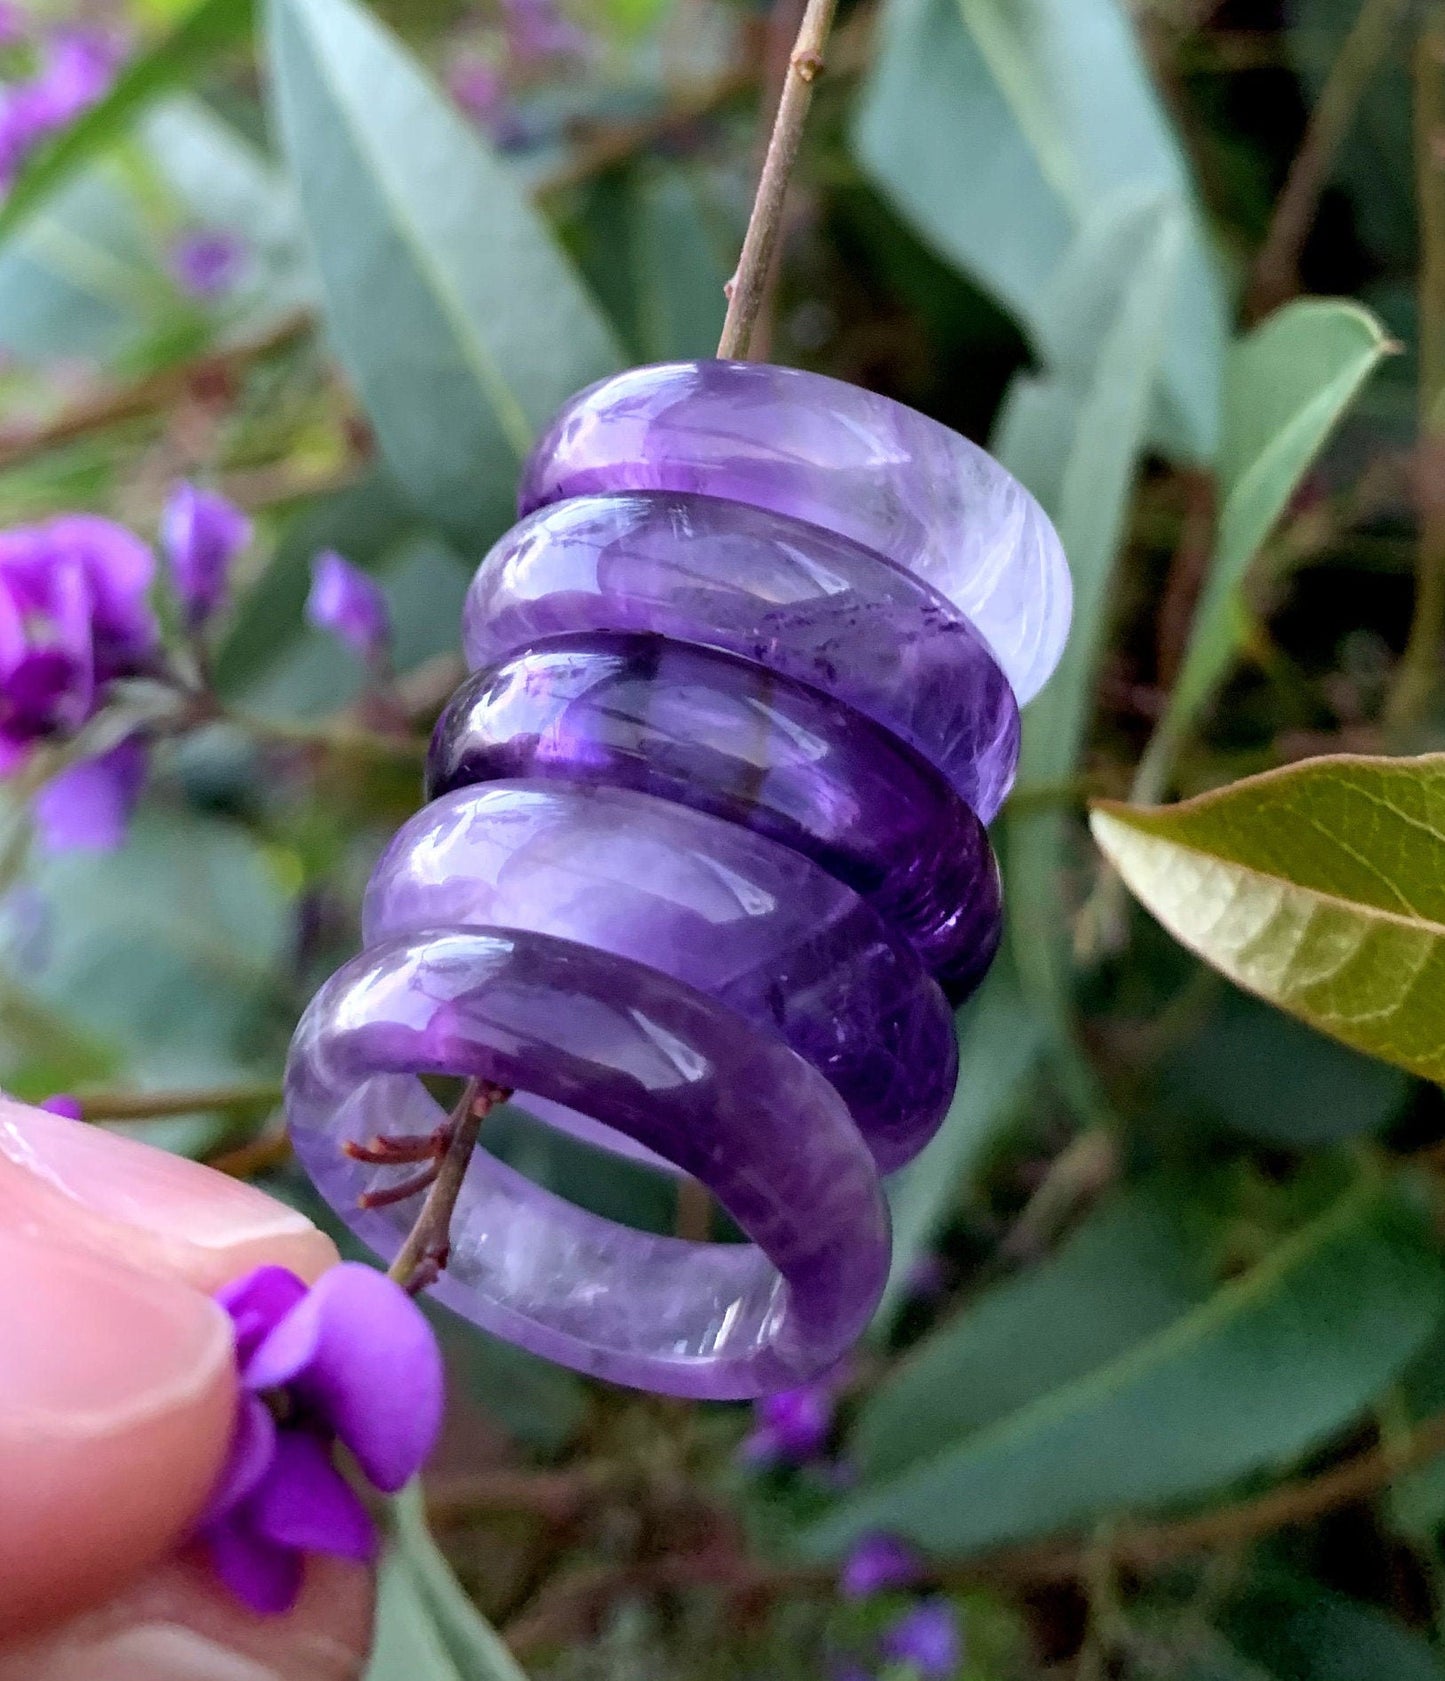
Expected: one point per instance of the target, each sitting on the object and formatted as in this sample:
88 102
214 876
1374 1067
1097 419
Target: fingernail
197 1224
116 1396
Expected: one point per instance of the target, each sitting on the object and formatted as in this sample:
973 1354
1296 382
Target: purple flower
88 807
879 1562
928 1639
63 1104
202 533
537 30
207 263
347 602
790 1428
78 68
352 1360
73 615
478 86
14 25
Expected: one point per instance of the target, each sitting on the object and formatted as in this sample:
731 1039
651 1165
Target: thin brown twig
1276 269
748 287
423 1257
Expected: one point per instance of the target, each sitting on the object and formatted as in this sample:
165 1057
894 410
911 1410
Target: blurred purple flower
207 262
348 603
73 615
88 807
63 1104
351 1359
537 30
478 87
202 533
77 69
928 1639
790 1428
14 25
879 1562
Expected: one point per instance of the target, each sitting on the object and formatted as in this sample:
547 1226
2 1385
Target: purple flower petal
207 263
929 1639
202 533
257 1304
63 1104
877 1563
119 569
47 667
790 1427
360 1352
88 807
252 1452
349 604
305 1502
260 1574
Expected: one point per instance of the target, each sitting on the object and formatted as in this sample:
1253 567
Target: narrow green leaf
1320 887
1273 1362
1286 386
999 1044
1076 438
998 127
407 1645
475 1647
205 31
450 303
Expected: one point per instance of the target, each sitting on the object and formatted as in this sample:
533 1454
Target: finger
86 1187
117 1387
177 1625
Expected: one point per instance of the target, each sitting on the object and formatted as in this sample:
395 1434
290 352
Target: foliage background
1159 1375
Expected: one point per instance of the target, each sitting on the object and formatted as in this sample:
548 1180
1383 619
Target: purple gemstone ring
704 863
728 737
836 456
676 1072
800 601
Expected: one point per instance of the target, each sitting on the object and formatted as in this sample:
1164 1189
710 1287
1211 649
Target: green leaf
998 127
1300 1632
208 29
450 303
407 1645
1320 887
1286 386
1271 1363
999 1044
477 1650
1075 438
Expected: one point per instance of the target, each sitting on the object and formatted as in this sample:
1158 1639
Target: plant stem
1420 667
1276 271
197 1100
423 1257
748 287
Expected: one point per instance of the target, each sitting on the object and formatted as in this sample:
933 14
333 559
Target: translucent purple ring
798 600
839 457
728 737
678 1073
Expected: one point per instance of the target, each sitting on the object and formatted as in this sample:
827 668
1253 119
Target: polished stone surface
652 1058
788 596
747 922
725 736
840 457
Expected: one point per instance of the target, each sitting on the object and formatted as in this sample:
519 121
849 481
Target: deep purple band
792 598
730 738
839 457
752 925
679 1073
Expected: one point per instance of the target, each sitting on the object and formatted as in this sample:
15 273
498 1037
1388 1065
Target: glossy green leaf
1075 438
1272 1362
1286 386
450 303
202 34
998 1049
998 127
1320 887
475 1647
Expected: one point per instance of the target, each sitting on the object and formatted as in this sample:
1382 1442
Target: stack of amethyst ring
704 865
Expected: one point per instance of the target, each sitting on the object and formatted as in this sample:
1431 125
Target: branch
197 1100
424 1255
748 286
